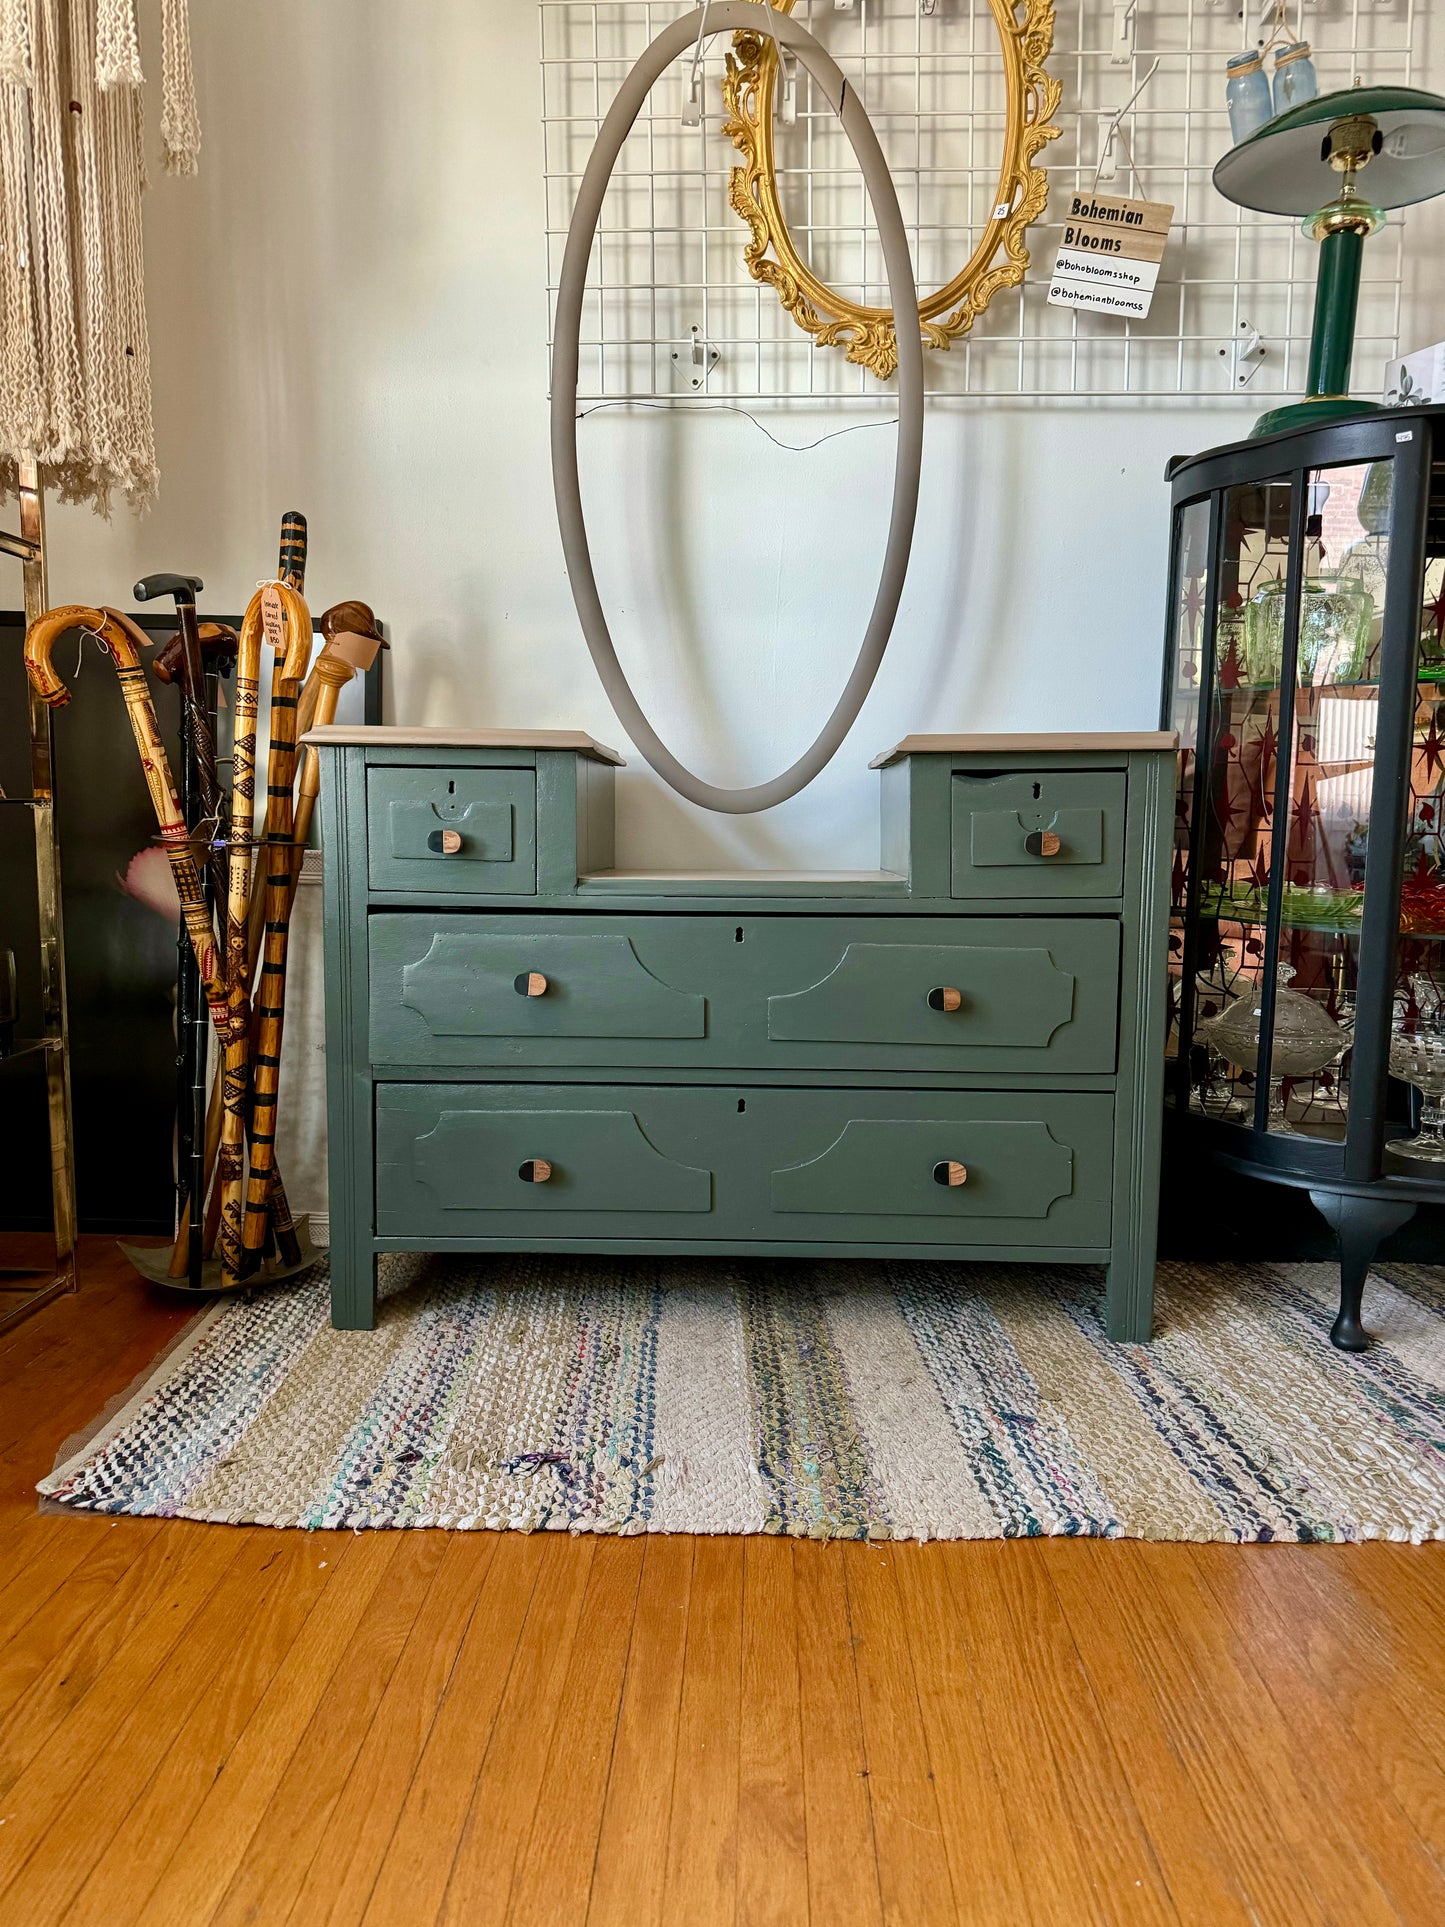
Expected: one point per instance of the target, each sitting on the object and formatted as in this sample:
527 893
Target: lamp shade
1280 168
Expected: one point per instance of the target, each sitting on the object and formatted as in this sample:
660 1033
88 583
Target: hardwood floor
216 1724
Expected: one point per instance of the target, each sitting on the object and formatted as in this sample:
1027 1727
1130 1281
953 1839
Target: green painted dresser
957 1055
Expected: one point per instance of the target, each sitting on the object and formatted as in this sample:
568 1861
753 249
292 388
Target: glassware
1247 95
1336 612
1417 1056
1295 81
1306 1037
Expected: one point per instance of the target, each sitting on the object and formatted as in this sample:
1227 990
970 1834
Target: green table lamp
1286 167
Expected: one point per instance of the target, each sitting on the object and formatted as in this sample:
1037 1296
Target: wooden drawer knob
445 842
534 1171
1043 843
945 997
950 1172
530 983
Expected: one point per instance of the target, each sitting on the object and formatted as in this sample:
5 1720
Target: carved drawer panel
989 995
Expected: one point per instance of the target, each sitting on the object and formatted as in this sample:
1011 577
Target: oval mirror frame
1026 36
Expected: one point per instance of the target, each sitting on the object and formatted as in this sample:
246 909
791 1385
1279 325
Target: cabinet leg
1129 1298
353 1285
1360 1224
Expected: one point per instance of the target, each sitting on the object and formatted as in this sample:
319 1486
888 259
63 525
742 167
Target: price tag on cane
273 617
1108 259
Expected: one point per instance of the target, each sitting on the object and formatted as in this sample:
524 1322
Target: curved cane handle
41 638
116 633
298 628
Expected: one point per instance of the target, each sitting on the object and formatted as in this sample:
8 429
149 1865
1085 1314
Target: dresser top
1022 743
442 736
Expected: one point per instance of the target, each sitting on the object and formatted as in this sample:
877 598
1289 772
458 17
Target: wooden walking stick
281 614
276 864
228 1113
122 642
349 651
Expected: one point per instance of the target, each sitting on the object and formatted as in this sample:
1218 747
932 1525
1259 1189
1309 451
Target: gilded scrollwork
1000 260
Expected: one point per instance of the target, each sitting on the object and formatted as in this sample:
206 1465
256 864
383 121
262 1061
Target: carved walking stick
230 1095
276 865
122 642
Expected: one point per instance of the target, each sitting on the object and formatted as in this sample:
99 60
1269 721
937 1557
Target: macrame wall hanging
75 386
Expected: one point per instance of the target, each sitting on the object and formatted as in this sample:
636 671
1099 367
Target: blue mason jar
1246 94
1294 77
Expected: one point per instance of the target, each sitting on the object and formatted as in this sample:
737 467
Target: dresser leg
1129 1298
353 1285
1360 1224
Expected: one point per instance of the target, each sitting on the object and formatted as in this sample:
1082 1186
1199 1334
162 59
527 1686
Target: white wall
348 317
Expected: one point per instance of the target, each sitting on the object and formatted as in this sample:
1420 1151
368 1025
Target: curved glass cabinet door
1306 676
1278 606
1280 684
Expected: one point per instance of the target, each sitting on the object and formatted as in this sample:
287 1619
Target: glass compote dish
1417 1056
1306 1038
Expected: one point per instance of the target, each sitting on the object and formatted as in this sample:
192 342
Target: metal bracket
787 87
1121 45
1244 352
695 360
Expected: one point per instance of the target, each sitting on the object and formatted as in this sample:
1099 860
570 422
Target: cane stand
53 1040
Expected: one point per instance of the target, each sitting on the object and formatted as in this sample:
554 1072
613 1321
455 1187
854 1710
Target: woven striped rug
834 1399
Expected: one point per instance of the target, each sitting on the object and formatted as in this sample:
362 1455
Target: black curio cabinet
1305 673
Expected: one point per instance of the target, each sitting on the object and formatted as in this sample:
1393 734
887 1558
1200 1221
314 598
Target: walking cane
228 1113
352 642
122 642
217 646
276 861
193 695
281 613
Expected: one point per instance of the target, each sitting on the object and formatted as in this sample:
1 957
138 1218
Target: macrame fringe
75 382
180 122
117 46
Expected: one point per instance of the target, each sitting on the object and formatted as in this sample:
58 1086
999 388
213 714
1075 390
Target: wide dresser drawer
985 995
638 1162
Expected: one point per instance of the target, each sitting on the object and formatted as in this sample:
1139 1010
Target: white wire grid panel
669 253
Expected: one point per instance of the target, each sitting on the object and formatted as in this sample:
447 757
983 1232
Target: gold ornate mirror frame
1026 36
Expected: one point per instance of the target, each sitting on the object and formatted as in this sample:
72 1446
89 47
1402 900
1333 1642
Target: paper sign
1109 255
273 617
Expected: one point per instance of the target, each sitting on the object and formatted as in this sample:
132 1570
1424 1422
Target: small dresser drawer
765 1165
1059 833
1003 995
469 832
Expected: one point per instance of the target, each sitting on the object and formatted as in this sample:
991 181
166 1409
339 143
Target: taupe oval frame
1026 37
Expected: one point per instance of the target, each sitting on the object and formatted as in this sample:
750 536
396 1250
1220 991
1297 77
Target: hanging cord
732 408
1277 13
180 120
